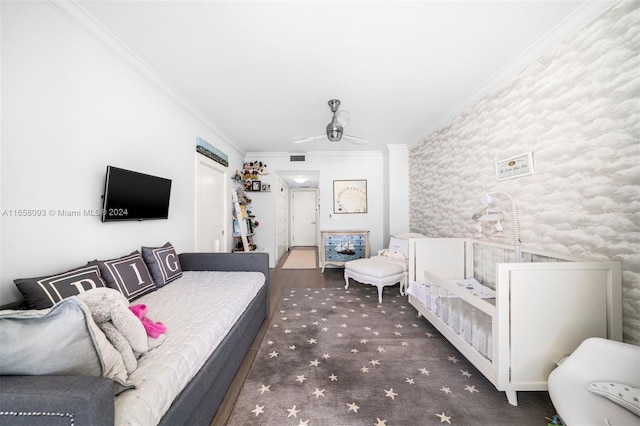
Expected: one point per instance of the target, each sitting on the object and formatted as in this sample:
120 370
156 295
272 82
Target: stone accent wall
578 110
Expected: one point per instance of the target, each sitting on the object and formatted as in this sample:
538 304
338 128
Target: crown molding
84 20
582 16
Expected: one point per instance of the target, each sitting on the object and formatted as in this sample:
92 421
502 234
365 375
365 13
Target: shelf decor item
349 196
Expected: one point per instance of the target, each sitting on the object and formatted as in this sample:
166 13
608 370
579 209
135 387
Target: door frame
292 191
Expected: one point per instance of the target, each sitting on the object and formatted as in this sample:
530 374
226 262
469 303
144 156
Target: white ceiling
263 71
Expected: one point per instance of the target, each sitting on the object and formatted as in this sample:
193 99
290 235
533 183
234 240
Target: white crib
522 318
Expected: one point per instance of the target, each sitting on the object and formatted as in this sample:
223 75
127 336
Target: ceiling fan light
300 179
334 132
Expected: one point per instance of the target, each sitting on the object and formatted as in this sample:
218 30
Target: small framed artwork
255 185
265 187
515 167
349 196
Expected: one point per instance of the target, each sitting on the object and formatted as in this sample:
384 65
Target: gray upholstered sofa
82 400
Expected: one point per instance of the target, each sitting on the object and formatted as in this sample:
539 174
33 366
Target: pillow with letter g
163 264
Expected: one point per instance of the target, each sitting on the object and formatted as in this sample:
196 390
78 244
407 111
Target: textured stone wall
578 110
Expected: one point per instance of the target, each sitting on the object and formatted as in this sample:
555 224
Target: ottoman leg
380 294
346 280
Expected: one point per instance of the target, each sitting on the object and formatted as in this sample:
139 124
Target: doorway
211 206
303 217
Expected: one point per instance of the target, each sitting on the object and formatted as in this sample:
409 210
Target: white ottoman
374 272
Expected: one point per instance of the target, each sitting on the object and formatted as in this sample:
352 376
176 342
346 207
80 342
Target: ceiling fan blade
355 140
342 117
309 139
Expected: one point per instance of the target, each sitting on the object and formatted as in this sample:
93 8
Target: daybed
513 320
212 314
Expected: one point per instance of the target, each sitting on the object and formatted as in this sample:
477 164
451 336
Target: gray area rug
337 357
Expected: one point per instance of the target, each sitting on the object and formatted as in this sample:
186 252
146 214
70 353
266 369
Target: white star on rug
273 354
445 390
312 341
424 371
380 422
258 410
374 362
326 356
354 351
444 418
465 373
364 341
390 393
287 331
318 392
300 378
270 342
264 389
292 347
314 363
410 381
333 377
453 359
405 343
293 412
381 349
471 389
352 407
304 423
364 369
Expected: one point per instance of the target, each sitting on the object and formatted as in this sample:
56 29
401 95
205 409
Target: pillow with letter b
44 292
163 264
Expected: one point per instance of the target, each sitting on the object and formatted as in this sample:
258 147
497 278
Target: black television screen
131 195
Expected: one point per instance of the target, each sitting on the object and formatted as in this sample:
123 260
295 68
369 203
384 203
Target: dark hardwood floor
279 279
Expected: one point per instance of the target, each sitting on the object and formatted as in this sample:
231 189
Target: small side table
340 246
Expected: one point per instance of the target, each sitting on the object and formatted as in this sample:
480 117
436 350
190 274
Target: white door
303 218
211 206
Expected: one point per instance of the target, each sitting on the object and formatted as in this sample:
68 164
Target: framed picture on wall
515 167
349 196
255 185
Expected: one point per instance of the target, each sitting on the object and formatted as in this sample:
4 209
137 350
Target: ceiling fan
335 129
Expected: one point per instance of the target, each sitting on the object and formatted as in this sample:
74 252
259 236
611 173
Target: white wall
577 110
398 184
70 107
332 166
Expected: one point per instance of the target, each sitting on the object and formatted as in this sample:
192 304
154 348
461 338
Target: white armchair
598 384
390 266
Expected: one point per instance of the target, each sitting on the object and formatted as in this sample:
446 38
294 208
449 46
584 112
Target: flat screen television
130 195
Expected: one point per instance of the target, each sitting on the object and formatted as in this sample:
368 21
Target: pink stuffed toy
153 329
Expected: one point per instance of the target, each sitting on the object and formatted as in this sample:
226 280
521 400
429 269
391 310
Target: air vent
297 157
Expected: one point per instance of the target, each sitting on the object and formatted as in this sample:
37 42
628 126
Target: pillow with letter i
127 274
163 264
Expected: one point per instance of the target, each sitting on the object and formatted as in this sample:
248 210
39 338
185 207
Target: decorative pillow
127 274
62 340
163 264
396 254
624 395
399 244
44 292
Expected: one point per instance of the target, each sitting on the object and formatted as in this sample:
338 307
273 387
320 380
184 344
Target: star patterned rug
338 357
